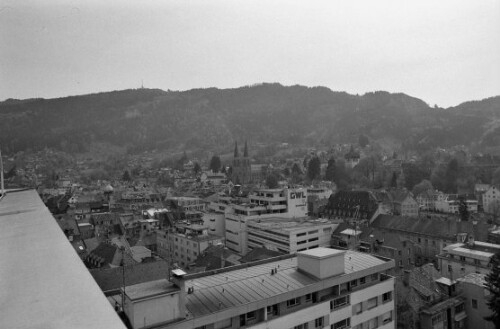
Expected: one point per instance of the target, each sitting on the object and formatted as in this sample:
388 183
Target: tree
296 173
394 180
314 168
126 176
423 186
493 285
215 163
462 209
272 181
451 176
179 165
196 168
495 180
330 170
363 141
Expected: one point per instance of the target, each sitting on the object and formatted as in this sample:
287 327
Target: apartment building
317 288
186 208
289 235
491 200
185 243
264 203
460 259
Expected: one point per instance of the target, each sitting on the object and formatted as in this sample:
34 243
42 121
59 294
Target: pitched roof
437 227
259 254
112 278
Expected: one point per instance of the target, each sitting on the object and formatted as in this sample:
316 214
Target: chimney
177 278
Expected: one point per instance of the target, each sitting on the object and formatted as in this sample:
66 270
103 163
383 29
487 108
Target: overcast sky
444 52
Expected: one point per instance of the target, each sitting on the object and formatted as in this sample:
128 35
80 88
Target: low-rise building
472 288
460 259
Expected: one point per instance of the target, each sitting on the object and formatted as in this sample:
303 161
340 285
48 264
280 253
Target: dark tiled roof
259 254
106 252
437 227
111 278
347 201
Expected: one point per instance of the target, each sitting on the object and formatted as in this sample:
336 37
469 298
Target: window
308 297
318 323
362 280
477 262
450 269
357 309
344 287
474 303
460 308
251 315
354 283
293 302
437 318
372 303
302 326
462 258
373 323
339 302
387 317
387 297
342 324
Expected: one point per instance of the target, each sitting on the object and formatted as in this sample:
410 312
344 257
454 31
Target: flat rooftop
216 292
288 225
43 282
150 289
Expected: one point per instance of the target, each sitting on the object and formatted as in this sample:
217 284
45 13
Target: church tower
241 166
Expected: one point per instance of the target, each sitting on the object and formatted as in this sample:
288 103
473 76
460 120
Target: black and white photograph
250 164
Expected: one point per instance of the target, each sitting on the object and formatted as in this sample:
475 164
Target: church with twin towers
242 173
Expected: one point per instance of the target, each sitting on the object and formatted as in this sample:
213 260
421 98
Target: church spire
245 152
236 153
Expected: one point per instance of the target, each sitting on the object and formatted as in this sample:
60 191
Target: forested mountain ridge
145 119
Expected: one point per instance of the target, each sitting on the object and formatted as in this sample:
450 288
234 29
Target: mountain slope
213 118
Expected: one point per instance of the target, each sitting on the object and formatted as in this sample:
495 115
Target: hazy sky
443 52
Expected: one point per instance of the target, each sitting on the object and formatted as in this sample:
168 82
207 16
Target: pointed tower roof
245 152
236 153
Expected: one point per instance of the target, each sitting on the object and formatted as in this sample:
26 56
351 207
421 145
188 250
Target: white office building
265 203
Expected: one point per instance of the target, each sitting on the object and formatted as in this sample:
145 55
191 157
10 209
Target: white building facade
266 203
320 288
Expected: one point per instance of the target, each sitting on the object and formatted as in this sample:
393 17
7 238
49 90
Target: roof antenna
2 191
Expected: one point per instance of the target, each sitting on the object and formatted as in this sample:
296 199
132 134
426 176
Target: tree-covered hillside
145 119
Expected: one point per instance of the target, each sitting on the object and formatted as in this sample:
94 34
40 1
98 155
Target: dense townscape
420 233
